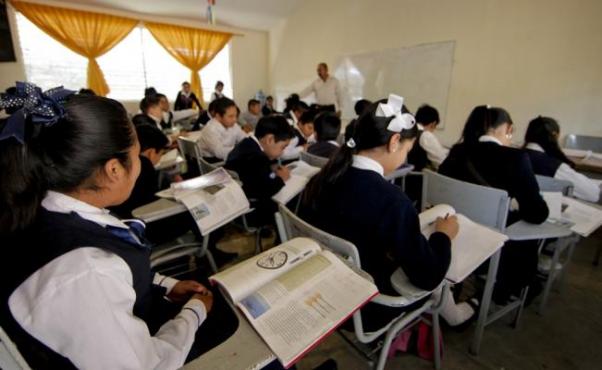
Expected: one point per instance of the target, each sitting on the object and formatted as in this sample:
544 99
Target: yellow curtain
192 47
88 34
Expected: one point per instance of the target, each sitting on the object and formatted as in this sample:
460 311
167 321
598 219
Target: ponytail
482 119
544 131
369 132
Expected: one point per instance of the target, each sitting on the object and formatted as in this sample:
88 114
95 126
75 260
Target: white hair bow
402 121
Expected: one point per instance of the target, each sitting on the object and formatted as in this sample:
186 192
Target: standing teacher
327 90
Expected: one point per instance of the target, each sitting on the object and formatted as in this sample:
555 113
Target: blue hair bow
44 108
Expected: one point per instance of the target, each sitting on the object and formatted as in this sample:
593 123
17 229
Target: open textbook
213 199
301 173
473 245
583 218
294 295
169 159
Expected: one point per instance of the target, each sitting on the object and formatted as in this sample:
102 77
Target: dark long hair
369 132
62 157
481 120
544 131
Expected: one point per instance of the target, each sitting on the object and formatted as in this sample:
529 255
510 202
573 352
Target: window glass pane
48 63
136 62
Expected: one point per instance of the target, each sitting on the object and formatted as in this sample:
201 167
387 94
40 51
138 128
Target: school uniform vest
542 163
417 156
52 235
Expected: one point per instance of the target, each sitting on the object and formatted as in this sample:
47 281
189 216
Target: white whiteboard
421 74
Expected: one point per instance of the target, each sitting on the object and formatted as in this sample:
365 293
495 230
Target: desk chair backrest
484 205
190 150
10 357
551 184
291 226
582 142
313 160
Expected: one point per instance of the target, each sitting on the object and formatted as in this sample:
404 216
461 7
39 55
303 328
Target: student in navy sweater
484 157
350 198
547 159
327 127
253 159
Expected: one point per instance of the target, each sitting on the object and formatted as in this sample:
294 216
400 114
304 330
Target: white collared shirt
584 187
80 305
293 149
435 152
335 143
217 141
490 139
364 163
327 92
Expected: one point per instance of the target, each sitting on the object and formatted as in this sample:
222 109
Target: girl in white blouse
547 159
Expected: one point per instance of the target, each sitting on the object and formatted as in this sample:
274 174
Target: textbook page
301 173
586 218
473 245
293 312
214 206
246 277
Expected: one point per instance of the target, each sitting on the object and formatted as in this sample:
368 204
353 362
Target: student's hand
185 289
206 298
177 178
283 172
449 226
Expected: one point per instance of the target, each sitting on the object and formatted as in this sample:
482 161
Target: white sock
455 314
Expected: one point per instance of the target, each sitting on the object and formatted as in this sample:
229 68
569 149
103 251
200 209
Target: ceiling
251 14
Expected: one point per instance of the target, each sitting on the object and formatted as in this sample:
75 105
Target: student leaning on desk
77 288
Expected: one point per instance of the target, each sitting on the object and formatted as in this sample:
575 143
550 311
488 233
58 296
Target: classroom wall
530 57
249 57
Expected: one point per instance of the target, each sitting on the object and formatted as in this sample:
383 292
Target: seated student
204 117
547 159
295 112
77 288
303 136
169 116
253 160
268 108
327 128
350 198
217 94
153 144
152 113
484 157
186 98
289 102
428 150
221 133
359 108
250 118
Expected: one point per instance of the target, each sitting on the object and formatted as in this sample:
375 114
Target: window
137 62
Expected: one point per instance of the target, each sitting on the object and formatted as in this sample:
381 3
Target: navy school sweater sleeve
254 169
425 262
